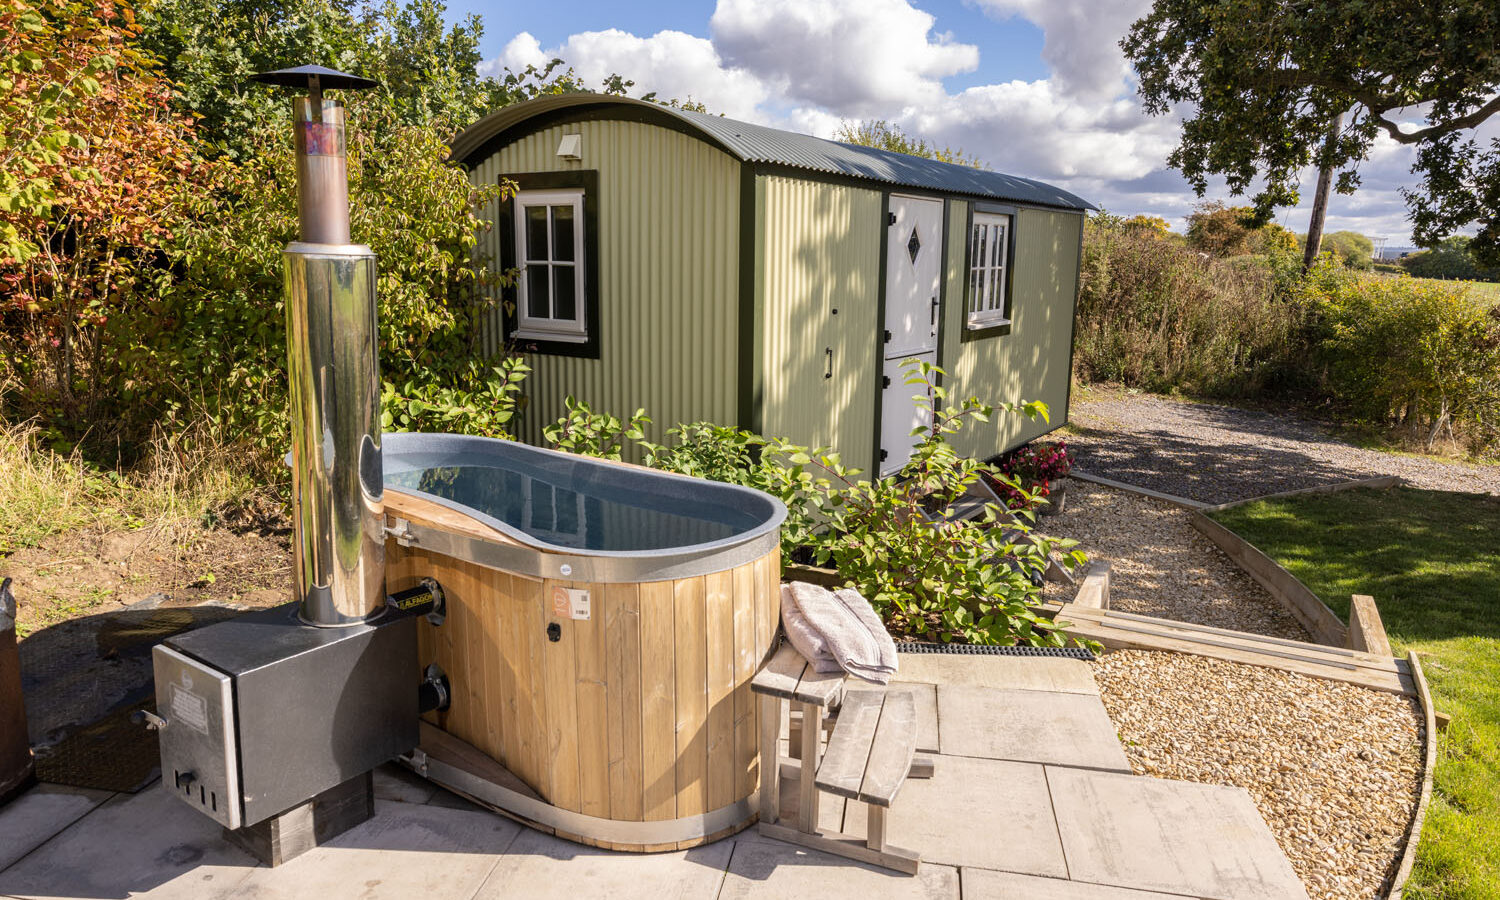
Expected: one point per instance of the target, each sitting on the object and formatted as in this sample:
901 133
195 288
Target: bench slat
892 750
820 689
843 768
781 673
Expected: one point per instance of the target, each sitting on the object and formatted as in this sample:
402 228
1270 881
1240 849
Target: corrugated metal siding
1030 363
668 279
820 253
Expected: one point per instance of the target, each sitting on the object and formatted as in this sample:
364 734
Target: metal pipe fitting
322 170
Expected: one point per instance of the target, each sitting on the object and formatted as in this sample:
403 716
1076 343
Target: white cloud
864 58
808 65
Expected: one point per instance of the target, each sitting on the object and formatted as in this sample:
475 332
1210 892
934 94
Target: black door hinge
885 381
890 219
884 454
887 336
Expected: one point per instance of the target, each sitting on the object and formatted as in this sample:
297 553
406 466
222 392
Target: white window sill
531 334
976 324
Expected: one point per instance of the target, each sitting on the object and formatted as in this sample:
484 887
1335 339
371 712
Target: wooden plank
1093 593
820 688
658 709
560 672
772 709
746 657
1424 795
424 512
893 749
1320 621
453 654
719 621
1173 499
875 828
1378 482
768 589
592 691
622 623
531 697
1091 629
842 770
476 652
891 857
781 674
441 745
688 595
511 615
490 584
1366 631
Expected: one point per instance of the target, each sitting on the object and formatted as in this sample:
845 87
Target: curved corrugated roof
759 144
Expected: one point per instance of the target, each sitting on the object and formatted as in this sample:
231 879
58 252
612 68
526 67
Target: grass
1490 288
1431 560
43 492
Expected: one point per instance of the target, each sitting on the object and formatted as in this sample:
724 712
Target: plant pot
1057 497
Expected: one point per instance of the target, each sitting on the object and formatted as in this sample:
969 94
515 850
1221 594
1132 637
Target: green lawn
1489 288
1431 560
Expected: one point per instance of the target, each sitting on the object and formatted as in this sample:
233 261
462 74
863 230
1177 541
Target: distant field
1489 288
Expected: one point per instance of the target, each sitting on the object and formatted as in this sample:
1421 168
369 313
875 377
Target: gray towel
837 631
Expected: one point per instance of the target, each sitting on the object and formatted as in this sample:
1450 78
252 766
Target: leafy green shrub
1159 316
1420 355
581 430
484 410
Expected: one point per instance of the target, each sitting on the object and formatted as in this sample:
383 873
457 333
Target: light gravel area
1221 453
1335 769
1161 565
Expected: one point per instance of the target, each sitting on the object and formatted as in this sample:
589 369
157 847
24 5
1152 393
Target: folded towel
837 631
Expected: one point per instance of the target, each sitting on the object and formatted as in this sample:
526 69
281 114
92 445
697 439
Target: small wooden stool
870 754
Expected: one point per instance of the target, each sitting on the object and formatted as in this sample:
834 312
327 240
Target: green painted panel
818 277
1032 362
668 276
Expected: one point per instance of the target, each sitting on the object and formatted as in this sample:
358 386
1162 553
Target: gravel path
1335 769
1220 453
1161 565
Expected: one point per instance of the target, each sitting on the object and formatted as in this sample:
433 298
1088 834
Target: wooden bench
870 754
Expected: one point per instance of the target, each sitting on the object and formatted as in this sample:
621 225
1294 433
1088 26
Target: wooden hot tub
603 622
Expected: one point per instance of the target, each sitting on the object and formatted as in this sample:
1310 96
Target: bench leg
771 712
921 767
807 799
875 827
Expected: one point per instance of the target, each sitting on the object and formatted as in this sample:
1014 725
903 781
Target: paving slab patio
34 817
1003 816
1175 836
1067 729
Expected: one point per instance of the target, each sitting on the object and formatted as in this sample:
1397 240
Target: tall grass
45 492
1157 315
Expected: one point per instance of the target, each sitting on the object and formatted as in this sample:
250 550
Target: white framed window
989 267
549 257
554 514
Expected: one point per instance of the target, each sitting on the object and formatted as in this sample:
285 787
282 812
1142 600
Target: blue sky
1036 88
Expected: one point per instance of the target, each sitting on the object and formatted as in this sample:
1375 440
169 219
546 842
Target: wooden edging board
1321 622
1183 502
1378 482
1429 761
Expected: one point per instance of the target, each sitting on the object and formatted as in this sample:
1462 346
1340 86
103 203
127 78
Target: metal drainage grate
992 650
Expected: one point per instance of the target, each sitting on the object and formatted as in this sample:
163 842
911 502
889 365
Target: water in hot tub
556 513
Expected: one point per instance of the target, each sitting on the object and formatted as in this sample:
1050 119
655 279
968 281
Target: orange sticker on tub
570 603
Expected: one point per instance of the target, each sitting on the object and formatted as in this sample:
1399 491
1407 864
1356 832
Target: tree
1150 226
882 135
1351 248
1263 81
1220 230
1453 258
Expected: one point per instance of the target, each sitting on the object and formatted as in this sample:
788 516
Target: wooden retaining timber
1184 502
1366 631
1127 631
1379 482
1320 621
1429 761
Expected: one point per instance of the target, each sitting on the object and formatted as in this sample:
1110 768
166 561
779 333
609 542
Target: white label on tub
570 603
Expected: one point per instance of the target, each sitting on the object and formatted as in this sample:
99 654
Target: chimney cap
302 77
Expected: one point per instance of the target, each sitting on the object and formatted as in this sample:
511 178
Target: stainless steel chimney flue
333 366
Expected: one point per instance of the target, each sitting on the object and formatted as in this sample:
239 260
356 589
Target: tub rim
530 555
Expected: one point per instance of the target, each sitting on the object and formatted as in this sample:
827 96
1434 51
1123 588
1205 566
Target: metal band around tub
624 569
644 834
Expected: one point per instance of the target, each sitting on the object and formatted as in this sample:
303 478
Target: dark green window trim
1002 328
588 181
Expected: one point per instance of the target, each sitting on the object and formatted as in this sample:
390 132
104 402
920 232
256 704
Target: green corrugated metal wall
669 210
819 251
1032 362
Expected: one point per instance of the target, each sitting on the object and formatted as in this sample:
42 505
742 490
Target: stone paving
1030 799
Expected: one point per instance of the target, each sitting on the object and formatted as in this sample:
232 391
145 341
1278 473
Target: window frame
550 328
988 323
584 343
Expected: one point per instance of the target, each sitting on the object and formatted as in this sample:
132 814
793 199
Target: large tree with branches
1266 81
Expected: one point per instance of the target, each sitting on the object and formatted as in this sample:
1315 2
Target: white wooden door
913 275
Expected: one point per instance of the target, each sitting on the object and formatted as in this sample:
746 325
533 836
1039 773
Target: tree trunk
1320 202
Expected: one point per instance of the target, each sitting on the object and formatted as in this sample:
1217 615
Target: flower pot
1057 497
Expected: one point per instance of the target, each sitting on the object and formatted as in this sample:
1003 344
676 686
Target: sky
1036 88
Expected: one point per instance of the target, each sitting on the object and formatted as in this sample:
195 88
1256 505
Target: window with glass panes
989 263
549 254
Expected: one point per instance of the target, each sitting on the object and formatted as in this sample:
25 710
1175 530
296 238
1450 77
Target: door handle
934 311
828 362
